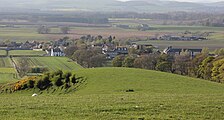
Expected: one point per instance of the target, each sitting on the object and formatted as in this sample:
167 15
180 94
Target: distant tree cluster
43 30
89 58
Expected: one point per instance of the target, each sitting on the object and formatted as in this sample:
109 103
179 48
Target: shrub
31 83
74 79
59 72
57 81
67 76
39 84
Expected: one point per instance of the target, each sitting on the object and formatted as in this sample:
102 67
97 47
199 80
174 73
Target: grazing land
26 53
2 52
52 63
7 72
21 33
120 93
5 62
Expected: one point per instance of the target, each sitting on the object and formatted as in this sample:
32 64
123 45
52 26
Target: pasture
5 62
26 53
21 33
2 52
120 93
52 63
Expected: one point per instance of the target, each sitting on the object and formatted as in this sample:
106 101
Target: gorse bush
59 78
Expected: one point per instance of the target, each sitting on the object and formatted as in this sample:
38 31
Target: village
111 50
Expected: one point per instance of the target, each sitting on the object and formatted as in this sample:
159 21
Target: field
7 77
5 62
2 52
120 93
7 72
22 33
26 53
53 63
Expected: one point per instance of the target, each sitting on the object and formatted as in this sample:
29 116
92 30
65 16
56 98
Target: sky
188 0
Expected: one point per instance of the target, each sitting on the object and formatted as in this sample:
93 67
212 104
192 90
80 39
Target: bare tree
65 30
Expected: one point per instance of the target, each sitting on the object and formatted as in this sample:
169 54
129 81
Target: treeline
204 65
90 20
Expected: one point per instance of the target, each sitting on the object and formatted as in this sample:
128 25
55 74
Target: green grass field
2 52
5 62
156 95
21 33
7 72
7 78
53 63
26 53
8 75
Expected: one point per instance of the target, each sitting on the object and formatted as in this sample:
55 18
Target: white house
57 52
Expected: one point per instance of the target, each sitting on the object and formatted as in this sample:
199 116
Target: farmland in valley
52 63
7 72
23 33
5 62
2 52
26 53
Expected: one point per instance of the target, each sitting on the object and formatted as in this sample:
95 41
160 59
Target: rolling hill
121 93
110 5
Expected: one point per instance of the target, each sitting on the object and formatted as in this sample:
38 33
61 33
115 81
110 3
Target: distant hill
110 5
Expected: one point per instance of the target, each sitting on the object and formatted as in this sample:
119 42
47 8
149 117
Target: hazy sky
188 0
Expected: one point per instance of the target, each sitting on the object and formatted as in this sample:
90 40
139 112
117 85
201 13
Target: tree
43 30
128 62
146 62
205 69
65 30
67 76
57 81
31 83
23 66
97 60
110 39
195 64
74 79
181 64
218 71
164 67
117 61
69 51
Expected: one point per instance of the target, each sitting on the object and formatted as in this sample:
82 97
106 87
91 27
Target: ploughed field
121 93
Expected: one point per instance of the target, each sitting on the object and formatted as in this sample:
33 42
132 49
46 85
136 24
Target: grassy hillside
156 96
116 80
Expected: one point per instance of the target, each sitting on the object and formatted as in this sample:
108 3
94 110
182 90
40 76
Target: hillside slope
155 95
118 80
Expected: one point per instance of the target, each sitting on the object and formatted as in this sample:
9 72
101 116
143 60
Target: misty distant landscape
147 6
110 59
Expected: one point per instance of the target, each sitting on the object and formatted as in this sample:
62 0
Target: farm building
117 51
174 51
